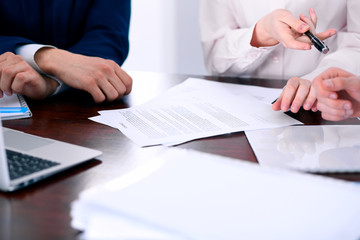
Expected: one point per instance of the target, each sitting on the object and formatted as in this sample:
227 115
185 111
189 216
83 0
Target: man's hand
338 94
17 76
103 79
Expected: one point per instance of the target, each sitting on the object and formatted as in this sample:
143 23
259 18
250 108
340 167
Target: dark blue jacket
89 27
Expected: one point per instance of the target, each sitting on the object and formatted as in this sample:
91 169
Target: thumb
341 83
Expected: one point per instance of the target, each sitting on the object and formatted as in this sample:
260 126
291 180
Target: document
14 107
325 148
184 194
196 109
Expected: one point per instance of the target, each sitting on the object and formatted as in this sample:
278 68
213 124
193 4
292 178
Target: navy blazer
89 27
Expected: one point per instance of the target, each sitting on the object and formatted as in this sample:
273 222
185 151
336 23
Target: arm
344 49
106 31
92 62
234 42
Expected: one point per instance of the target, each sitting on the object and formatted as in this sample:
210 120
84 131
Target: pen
13 109
320 45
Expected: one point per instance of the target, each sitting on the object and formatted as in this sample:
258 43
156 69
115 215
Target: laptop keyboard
21 164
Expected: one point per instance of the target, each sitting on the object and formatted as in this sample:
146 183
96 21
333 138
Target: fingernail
307 47
284 108
303 26
307 106
328 83
332 96
294 108
347 106
349 113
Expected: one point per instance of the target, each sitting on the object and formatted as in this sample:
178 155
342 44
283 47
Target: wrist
51 85
46 59
261 38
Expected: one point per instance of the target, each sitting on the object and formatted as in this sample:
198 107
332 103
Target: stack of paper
191 195
196 109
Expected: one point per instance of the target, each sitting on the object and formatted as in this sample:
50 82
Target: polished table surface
42 211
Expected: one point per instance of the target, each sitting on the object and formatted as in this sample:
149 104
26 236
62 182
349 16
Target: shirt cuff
28 51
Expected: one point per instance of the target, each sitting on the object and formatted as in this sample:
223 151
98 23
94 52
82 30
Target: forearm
50 59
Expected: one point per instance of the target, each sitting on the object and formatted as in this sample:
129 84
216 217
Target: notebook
14 107
26 158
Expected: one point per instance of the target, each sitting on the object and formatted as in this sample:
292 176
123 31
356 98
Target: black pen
320 45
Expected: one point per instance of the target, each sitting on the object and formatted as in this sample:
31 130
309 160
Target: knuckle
8 71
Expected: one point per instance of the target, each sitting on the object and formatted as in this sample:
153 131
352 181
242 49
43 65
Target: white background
164 37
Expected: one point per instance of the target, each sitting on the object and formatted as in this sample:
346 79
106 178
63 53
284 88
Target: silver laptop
26 158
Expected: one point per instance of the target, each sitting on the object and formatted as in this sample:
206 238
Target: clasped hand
102 78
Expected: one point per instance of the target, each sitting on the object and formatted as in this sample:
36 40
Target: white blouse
226 28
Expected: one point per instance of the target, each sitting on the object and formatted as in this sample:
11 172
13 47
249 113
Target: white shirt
28 52
226 28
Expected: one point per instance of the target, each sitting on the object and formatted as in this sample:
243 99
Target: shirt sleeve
28 52
345 52
226 46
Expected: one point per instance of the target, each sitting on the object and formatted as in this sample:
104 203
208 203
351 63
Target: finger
341 108
20 80
125 78
308 21
288 41
116 90
326 34
310 100
107 88
289 93
314 106
313 16
15 65
294 23
94 89
8 74
300 96
331 117
5 56
119 82
276 106
341 83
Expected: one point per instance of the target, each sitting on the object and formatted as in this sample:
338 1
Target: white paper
325 148
196 109
192 195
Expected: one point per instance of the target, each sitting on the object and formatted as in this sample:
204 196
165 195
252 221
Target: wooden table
42 211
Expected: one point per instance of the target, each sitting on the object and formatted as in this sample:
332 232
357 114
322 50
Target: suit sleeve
106 32
9 44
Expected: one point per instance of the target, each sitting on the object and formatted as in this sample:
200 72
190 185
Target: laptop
26 158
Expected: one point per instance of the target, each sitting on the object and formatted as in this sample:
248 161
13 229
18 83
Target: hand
338 94
297 92
102 78
280 26
18 77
